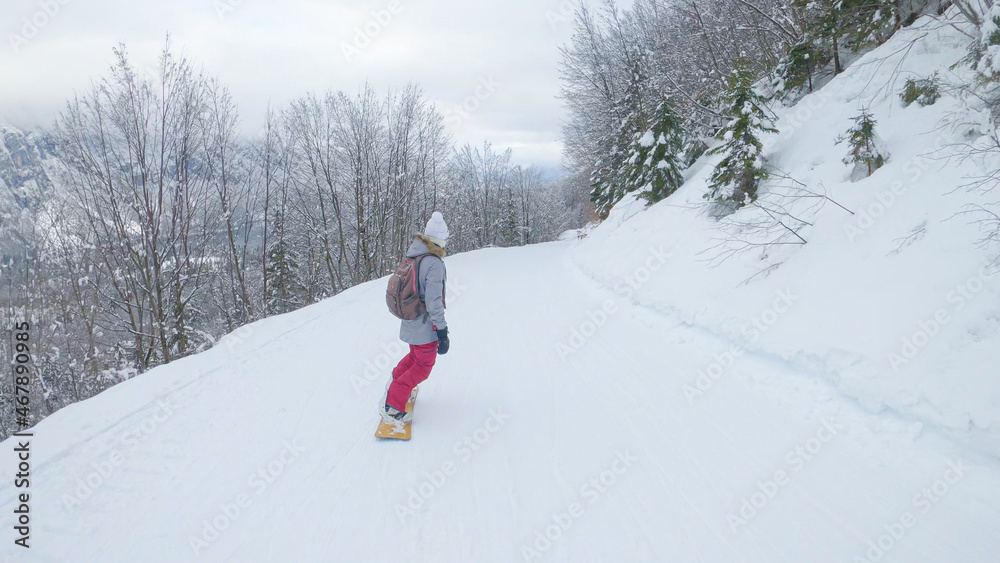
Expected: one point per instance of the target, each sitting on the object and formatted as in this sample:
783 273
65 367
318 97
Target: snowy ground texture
895 305
611 399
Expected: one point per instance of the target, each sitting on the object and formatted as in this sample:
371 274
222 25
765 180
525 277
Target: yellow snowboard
398 431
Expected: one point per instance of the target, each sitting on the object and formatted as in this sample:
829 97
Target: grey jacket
431 281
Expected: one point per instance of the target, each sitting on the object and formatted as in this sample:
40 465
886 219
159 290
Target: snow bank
893 301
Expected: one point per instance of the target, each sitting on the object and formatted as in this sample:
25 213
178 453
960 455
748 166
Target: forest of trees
166 229
677 73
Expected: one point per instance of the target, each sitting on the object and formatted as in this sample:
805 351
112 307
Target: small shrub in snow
737 176
924 91
866 151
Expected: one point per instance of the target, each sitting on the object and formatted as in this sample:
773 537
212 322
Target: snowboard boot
392 415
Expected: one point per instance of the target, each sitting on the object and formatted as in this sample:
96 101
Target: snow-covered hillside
610 399
896 304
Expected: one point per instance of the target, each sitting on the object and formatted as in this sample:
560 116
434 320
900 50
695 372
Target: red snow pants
412 370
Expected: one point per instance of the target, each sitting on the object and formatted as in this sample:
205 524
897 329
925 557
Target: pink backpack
403 294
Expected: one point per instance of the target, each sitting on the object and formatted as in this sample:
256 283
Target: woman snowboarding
427 335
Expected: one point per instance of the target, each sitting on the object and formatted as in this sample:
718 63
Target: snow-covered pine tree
824 22
797 67
737 176
839 26
653 167
986 52
604 181
869 23
609 182
284 291
866 152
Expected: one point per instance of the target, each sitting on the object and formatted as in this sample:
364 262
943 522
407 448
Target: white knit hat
437 230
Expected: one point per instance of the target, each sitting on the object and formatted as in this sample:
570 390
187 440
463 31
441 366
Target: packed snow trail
512 439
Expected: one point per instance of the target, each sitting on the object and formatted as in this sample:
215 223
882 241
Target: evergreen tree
796 69
737 176
604 183
653 167
866 153
825 25
834 26
986 52
609 181
284 291
869 23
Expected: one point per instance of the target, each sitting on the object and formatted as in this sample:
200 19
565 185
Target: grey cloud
271 52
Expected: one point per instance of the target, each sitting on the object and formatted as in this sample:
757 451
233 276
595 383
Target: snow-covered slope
558 407
603 401
895 304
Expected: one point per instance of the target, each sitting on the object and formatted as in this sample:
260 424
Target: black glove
443 342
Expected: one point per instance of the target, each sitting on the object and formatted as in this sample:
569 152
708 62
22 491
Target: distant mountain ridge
28 162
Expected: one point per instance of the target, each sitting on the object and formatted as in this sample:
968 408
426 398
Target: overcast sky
273 51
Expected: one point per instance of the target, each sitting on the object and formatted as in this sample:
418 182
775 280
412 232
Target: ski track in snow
288 380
